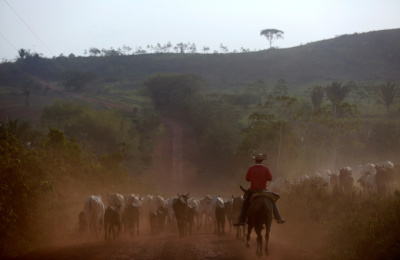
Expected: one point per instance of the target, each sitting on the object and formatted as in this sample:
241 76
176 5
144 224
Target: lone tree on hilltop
271 35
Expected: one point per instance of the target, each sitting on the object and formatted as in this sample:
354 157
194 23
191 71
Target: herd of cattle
379 178
185 213
182 212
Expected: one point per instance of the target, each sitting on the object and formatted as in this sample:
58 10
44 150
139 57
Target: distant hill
372 56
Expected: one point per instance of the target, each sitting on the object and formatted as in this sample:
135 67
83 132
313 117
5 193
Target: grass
346 226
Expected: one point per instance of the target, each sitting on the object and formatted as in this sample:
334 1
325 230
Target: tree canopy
272 35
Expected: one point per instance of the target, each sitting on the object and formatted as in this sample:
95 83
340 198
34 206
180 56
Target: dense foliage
43 183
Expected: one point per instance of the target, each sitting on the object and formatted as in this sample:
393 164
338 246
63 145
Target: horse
259 214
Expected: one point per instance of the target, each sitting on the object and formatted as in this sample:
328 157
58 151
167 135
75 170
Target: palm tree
388 92
22 53
336 93
317 96
14 127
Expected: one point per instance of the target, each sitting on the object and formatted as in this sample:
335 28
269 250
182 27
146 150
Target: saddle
269 194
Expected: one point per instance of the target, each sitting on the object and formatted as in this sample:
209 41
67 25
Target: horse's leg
249 227
267 230
259 241
266 241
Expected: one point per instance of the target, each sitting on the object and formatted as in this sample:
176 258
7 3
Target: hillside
359 57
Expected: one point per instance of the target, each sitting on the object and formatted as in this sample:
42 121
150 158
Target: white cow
385 176
279 185
204 209
366 168
118 201
195 204
171 212
151 204
366 176
367 181
236 210
385 165
217 203
133 199
93 209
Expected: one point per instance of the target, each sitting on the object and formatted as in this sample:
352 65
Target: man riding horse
258 175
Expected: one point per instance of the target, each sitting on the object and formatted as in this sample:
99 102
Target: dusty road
202 245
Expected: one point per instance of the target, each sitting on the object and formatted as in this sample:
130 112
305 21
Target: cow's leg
243 232
105 231
97 230
119 228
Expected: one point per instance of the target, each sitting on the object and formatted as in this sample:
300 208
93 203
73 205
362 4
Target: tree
272 129
280 88
94 51
192 48
336 93
27 93
223 48
77 80
22 53
181 47
171 92
388 92
126 49
271 35
259 87
317 96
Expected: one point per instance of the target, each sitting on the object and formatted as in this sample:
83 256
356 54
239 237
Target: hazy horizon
63 27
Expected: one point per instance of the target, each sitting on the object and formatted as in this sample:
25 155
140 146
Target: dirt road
202 245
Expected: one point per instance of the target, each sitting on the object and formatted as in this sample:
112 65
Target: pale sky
52 27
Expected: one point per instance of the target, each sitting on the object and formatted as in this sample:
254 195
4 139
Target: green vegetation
44 185
343 226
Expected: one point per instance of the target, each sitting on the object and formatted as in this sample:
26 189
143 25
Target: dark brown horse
259 215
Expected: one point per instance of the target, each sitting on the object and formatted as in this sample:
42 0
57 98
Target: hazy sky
52 27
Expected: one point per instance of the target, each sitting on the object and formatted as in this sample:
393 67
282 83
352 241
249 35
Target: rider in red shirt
258 175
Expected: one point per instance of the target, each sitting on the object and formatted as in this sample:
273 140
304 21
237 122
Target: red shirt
258 175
